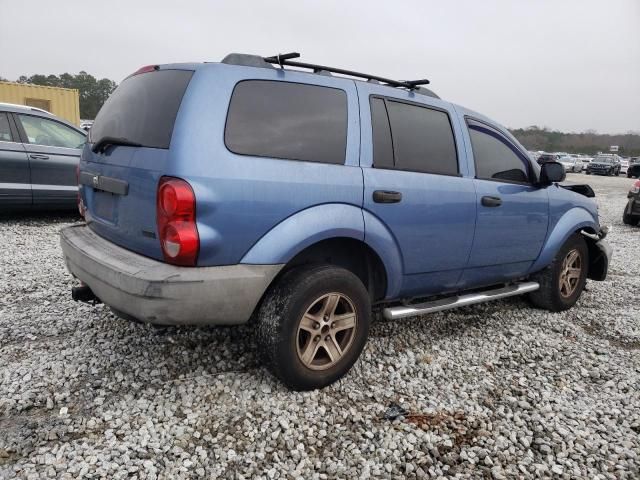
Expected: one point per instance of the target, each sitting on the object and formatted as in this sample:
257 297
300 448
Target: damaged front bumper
600 253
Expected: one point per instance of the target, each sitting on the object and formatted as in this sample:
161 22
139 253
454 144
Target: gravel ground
499 390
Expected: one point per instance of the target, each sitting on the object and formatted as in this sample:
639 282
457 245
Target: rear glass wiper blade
102 144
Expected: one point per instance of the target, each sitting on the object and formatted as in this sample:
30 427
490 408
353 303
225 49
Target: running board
448 303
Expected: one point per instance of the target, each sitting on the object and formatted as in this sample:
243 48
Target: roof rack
284 59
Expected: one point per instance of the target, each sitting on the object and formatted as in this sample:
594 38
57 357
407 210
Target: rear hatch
127 153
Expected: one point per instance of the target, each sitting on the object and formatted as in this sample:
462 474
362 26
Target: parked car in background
547 157
39 154
303 199
86 125
571 163
631 215
585 162
604 164
633 171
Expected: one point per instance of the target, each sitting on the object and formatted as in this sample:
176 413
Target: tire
628 219
588 172
551 296
305 357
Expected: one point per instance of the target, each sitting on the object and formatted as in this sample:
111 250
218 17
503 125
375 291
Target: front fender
570 222
303 229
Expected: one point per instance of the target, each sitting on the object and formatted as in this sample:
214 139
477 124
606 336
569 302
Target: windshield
603 160
143 109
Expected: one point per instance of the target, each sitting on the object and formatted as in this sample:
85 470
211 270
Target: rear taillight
176 220
636 187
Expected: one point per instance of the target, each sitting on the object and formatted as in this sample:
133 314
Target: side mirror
552 172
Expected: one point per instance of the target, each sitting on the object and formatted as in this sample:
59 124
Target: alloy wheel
570 273
326 331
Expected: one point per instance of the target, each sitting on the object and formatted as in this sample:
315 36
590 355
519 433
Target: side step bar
456 301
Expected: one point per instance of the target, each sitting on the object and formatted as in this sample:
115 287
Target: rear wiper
102 144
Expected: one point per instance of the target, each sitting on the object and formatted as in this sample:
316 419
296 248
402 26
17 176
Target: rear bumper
156 292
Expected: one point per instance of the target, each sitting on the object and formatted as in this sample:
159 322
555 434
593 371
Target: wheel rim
326 331
570 273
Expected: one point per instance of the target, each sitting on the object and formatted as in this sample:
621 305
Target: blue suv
304 197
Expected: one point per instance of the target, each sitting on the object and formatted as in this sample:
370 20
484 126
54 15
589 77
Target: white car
571 164
624 165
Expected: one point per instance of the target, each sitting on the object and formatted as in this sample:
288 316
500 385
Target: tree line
92 92
589 142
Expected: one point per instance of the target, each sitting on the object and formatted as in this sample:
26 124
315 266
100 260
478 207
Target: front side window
5 130
286 120
422 138
495 158
42 131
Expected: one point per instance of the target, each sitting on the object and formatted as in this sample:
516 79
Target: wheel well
350 254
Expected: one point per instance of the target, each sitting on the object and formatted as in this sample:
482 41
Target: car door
15 181
513 213
412 159
54 150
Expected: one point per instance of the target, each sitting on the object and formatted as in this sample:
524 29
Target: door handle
39 156
386 196
491 201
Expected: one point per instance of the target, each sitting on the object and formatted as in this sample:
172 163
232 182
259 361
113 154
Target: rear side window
143 108
5 130
422 138
287 120
495 158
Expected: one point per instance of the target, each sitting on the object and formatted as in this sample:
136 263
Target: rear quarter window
143 108
286 120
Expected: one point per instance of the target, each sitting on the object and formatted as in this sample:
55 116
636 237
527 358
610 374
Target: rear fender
572 221
303 229
322 222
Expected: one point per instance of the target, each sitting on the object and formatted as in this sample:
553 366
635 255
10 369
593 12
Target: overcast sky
571 65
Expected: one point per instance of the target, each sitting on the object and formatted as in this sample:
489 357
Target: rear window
143 108
285 120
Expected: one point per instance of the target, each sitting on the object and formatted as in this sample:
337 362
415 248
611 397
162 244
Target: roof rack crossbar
285 59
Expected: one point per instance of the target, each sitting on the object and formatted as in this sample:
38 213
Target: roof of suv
284 60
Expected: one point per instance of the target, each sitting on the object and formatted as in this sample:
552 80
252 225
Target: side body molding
571 221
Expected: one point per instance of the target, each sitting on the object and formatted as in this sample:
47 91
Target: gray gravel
492 391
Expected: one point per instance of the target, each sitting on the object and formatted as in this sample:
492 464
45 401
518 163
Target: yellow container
63 102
